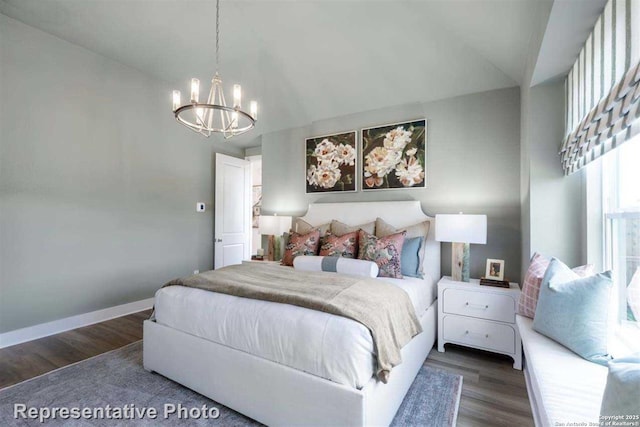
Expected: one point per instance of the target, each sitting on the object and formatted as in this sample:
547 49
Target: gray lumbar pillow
353 267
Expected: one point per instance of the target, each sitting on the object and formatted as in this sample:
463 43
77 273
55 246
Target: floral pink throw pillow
301 244
532 280
386 252
345 246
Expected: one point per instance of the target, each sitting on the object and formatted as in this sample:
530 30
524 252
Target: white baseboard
50 328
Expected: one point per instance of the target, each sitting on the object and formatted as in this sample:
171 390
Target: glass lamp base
460 262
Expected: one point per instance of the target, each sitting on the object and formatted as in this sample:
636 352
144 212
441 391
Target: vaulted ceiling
305 60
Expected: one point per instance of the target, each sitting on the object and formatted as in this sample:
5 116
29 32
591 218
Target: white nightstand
250 261
481 317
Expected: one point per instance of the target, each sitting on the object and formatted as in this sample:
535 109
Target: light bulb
195 90
234 120
237 96
254 110
176 100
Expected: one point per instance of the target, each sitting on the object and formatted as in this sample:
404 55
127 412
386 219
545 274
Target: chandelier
214 115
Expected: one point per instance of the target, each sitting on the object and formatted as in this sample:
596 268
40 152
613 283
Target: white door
232 240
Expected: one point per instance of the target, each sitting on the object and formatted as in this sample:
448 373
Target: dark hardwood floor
493 393
23 361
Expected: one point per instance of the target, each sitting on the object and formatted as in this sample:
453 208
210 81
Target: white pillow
353 267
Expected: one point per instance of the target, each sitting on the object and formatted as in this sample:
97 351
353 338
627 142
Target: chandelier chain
217 35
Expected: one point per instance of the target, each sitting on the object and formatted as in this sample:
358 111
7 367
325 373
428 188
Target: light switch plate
200 207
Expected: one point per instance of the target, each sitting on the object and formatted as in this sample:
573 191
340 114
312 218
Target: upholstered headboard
398 214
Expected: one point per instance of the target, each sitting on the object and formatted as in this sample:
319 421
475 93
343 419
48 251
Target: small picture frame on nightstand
495 269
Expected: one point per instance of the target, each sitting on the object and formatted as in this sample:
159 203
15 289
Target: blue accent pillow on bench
574 311
622 393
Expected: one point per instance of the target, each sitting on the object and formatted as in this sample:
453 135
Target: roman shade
603 87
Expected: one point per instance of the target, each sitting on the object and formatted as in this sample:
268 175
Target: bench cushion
563 387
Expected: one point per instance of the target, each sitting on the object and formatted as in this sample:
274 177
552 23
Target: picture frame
331 163
394 156
495 269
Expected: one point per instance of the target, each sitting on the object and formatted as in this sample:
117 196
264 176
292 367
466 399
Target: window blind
602 88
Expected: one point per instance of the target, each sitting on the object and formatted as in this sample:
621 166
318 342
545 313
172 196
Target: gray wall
556 201
525 179
98 184
541 15
473 165
552 204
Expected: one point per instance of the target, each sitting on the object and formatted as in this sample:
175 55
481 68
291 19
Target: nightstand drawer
479 334
482 305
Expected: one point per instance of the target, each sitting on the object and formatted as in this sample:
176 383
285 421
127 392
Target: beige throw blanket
383 308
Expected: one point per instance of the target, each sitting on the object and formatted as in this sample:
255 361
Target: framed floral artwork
331 163
394 156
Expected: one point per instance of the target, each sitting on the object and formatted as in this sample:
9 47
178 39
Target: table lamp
461 230
273 225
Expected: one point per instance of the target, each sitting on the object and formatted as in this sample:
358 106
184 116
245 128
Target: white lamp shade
461 228
274 225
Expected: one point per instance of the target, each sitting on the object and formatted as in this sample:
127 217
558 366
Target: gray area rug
118 379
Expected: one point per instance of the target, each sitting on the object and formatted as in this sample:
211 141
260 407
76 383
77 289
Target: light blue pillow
574 311
622 393
410 258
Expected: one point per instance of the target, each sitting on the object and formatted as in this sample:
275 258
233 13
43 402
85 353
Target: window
621 206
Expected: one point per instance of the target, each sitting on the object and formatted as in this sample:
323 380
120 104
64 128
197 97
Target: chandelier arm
224 102
237 132
188 125
211 100
223 122
210 119
224 110
199 122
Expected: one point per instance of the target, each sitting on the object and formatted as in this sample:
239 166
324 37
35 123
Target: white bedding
322 344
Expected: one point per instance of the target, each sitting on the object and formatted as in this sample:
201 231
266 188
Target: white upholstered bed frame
275 394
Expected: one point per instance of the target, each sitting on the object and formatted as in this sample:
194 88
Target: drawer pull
478 306
476 334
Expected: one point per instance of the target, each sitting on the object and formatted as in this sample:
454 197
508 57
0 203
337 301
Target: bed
277 392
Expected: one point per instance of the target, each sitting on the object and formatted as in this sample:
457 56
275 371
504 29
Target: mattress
566 388
329 346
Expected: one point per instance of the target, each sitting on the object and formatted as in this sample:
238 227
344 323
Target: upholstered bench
564 388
